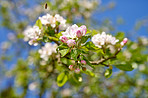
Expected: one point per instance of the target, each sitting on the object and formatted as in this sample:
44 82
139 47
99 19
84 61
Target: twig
105 59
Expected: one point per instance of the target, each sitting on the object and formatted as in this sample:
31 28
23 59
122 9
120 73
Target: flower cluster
71 33
47 50
104 39
31 34
76 69
52 21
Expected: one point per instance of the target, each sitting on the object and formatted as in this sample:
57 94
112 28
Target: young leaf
74 53
62 79
85 38
108 73
38 23
62 46
125 67
91 46
88 72
64 52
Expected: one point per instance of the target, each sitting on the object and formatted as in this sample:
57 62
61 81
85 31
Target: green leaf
125 67
91 46
64 52
74 53
108 73
59 34
63 46
120 35
38 23
88 72
85 38
62 79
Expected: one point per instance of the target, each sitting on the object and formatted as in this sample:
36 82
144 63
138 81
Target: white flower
45 19
51 20
75 31
47 50
103 39
32 34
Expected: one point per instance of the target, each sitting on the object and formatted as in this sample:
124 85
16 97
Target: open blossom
32 34
47 50
103 39
64 39
71 42
33 42
51 20
75 31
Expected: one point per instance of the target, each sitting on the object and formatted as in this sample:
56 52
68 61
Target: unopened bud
64 39
77 70
79 34
124 41
83 62
84 68
70 67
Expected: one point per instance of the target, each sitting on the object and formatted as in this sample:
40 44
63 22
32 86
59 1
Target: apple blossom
83 62
47 50
32 34
71 42
51 20
64 39
77 70
103 39
71 67
81 31
74 31
124 42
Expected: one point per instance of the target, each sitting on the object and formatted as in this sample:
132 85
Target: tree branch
105 59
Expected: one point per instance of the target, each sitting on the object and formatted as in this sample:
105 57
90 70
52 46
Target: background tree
31 75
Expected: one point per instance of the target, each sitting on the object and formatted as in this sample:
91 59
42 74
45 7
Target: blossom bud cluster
31 34
47 51
77 70
71 33
104 39
52 20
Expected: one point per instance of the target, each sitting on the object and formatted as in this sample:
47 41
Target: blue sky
131 11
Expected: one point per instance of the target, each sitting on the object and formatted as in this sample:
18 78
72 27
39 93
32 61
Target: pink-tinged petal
83 62
71 67
64 39
71 42
77 70
79 34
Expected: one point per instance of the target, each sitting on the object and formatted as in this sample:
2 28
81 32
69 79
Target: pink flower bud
77 70
71 42
70 67
64 39
79 34
83 62
124 42
81 31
